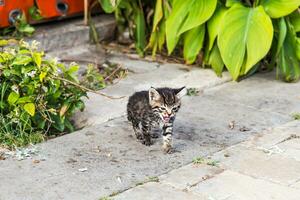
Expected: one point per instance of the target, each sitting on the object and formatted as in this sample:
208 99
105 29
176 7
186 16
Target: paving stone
235 186
275 136
280 99
72 32
274 167
185 177
154 191
291 148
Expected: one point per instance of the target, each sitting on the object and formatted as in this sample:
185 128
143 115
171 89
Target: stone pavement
264 167
257 158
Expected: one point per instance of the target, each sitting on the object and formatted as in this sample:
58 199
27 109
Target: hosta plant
35 101
235 34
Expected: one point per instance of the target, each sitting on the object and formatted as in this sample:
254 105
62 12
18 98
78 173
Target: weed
193 92
296 116
199 160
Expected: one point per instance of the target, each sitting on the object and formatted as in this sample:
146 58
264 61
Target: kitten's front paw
147 142
168 149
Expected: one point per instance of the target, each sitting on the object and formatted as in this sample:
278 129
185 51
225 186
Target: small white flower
11 51
31 74
24 44
15 88
35 44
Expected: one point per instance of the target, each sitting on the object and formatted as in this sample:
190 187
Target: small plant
20 28
213 163
201 160
37 98
296 116
243 36
198 160
193 92
97 78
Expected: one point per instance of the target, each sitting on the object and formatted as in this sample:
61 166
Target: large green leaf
109 6
215 60
158 14
281 35
186 15
295 20
140 31
245 38
157 38
280 8
193 42
174 22
214 24
289 65
199 12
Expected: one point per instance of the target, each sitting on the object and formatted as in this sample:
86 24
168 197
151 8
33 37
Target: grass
198 160
193 92
201 160
15 134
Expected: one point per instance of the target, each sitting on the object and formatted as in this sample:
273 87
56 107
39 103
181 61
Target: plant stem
85 88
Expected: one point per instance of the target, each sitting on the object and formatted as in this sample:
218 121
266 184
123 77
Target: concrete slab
259 164
259 92
235 186
154 191
190 175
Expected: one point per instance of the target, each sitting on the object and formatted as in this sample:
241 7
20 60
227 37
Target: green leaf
3 43
289 65
35 13
13 97
280 8
22 60
59 122
230 3
193 42
24 100
199 12
109 6
158 15
282 35
30 108
37 58
140 31
214 24
186 15
42 76
245 38
295 20
215 60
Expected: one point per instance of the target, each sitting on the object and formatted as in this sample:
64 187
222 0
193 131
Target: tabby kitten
147 109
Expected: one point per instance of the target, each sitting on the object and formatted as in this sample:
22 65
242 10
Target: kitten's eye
175 108
162 108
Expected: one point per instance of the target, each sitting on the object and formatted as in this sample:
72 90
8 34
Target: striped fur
147 109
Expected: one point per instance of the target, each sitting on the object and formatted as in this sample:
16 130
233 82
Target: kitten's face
166 102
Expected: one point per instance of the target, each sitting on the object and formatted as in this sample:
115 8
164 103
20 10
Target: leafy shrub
35 99
236 34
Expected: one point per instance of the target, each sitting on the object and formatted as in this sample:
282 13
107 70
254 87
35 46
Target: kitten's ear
153 95
180 92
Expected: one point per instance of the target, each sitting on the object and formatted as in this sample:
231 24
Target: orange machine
10 9
57 8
